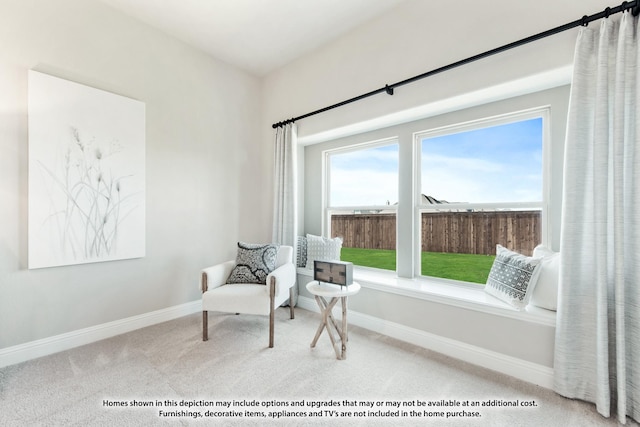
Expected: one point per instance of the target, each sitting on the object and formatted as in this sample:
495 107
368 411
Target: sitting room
360 212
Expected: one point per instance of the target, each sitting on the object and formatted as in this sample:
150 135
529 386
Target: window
477 184
431 199
535 209
361 200
480 184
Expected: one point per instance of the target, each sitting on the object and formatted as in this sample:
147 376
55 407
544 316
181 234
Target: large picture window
436 202
362 196
481 184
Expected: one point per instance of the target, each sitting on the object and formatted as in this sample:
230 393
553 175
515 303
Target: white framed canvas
86 174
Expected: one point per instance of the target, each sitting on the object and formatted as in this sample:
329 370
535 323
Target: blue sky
495 164
365 177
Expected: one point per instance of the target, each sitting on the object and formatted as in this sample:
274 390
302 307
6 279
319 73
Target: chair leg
205 314
272 297
291 303
205 325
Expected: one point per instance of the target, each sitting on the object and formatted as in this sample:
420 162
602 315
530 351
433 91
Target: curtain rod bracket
388 89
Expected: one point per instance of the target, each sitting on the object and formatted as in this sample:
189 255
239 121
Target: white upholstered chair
248 298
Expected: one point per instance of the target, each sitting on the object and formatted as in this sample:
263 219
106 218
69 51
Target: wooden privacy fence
453 232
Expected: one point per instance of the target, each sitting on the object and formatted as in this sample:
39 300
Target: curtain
285 218
285 203
597 351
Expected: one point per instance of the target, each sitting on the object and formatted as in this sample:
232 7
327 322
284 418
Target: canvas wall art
86 174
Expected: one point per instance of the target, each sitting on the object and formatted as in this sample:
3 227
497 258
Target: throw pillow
321 248
253 263
512 277
301 255
545 294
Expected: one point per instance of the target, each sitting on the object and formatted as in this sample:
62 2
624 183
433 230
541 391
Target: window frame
326 182
543 113
408 254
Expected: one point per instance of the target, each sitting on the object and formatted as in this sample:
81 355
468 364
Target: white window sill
445 291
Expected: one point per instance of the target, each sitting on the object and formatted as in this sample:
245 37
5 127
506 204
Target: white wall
405 42
412 39
202 129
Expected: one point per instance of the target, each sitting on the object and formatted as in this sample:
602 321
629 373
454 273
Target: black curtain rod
584 21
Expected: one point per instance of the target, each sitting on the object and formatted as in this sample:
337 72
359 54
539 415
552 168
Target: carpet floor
166 375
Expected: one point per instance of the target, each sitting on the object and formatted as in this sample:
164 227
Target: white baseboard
50 345
518 368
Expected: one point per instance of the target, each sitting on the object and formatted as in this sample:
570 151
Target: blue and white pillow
512 277
254 262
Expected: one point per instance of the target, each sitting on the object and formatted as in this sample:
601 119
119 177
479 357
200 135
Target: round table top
324 289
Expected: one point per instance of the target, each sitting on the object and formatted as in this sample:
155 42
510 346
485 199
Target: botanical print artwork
86 174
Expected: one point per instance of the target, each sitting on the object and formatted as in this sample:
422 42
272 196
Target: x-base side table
321 291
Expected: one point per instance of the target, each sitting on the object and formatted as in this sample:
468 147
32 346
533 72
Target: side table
321 291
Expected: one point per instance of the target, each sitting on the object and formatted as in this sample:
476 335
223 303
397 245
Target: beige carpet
223 378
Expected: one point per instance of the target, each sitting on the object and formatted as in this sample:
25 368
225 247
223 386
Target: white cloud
436 161
477 180
363 188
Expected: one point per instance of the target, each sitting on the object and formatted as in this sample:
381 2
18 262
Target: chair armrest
216 275
285 276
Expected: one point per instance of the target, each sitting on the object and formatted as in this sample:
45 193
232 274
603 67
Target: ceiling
255 35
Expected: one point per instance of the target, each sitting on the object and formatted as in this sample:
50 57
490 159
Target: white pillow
512 277
321 248
545 293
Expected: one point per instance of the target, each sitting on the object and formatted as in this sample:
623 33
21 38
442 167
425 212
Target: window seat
444 291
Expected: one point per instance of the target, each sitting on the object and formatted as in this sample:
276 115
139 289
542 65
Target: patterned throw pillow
301 248
512 277
253 263
321 248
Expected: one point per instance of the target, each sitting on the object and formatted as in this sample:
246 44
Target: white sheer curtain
597 353
285 219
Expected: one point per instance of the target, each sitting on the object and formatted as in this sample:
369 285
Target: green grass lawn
465 267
